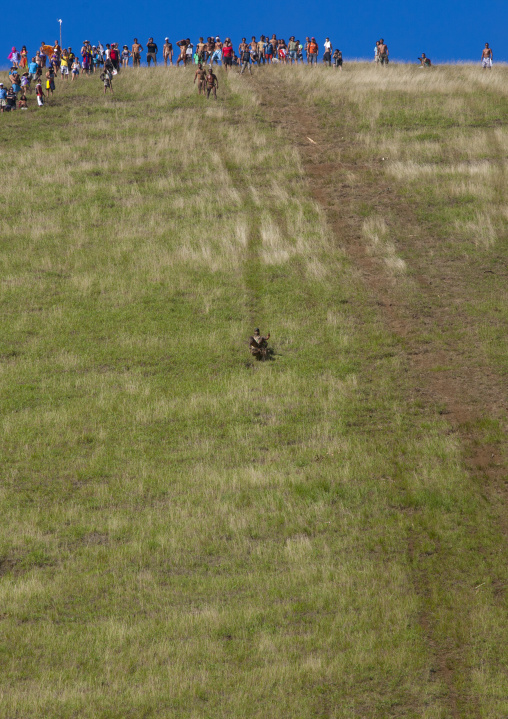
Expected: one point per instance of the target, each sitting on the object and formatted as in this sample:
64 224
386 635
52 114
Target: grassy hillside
187 532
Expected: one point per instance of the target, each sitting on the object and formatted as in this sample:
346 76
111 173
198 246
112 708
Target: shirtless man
242 46
487 57
200 49
136 53
182 44
383 52
306 48
261 49
167 52
200 76
217 53
212 84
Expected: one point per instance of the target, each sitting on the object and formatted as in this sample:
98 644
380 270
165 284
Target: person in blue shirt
32 69
3 97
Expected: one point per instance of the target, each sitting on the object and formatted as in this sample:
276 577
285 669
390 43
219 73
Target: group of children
15 96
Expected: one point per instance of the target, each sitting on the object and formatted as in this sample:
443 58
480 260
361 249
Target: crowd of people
109 60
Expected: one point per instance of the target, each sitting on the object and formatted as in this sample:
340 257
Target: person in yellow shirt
64 65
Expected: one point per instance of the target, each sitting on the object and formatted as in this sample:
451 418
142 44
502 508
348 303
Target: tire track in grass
302 128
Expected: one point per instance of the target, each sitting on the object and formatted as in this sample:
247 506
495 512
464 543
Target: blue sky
446 31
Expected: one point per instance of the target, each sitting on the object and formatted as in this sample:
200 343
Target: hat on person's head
217 38
166 38
1 84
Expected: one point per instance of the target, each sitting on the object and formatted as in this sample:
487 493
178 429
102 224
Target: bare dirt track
454 378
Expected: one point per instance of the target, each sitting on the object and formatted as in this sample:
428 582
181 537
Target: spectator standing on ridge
200 50
383 52
32 68
293 49
25 83
217 53
50 82
23 62
337 58
327 55
269 50
75 68
114 56
43 57
11 99
299 52
227 54
136 53
312 53
283 52
64 65
261 49
182 44
245 58
424 61
125 56
487 57
13 57
3 97
242 46
210 49
306 48
167 52
151 51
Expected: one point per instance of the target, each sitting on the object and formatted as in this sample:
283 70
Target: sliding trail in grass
188 532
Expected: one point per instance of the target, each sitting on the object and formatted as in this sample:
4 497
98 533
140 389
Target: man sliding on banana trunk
258 345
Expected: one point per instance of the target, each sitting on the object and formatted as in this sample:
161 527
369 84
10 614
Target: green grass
188 532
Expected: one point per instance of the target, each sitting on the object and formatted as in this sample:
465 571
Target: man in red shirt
227 54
